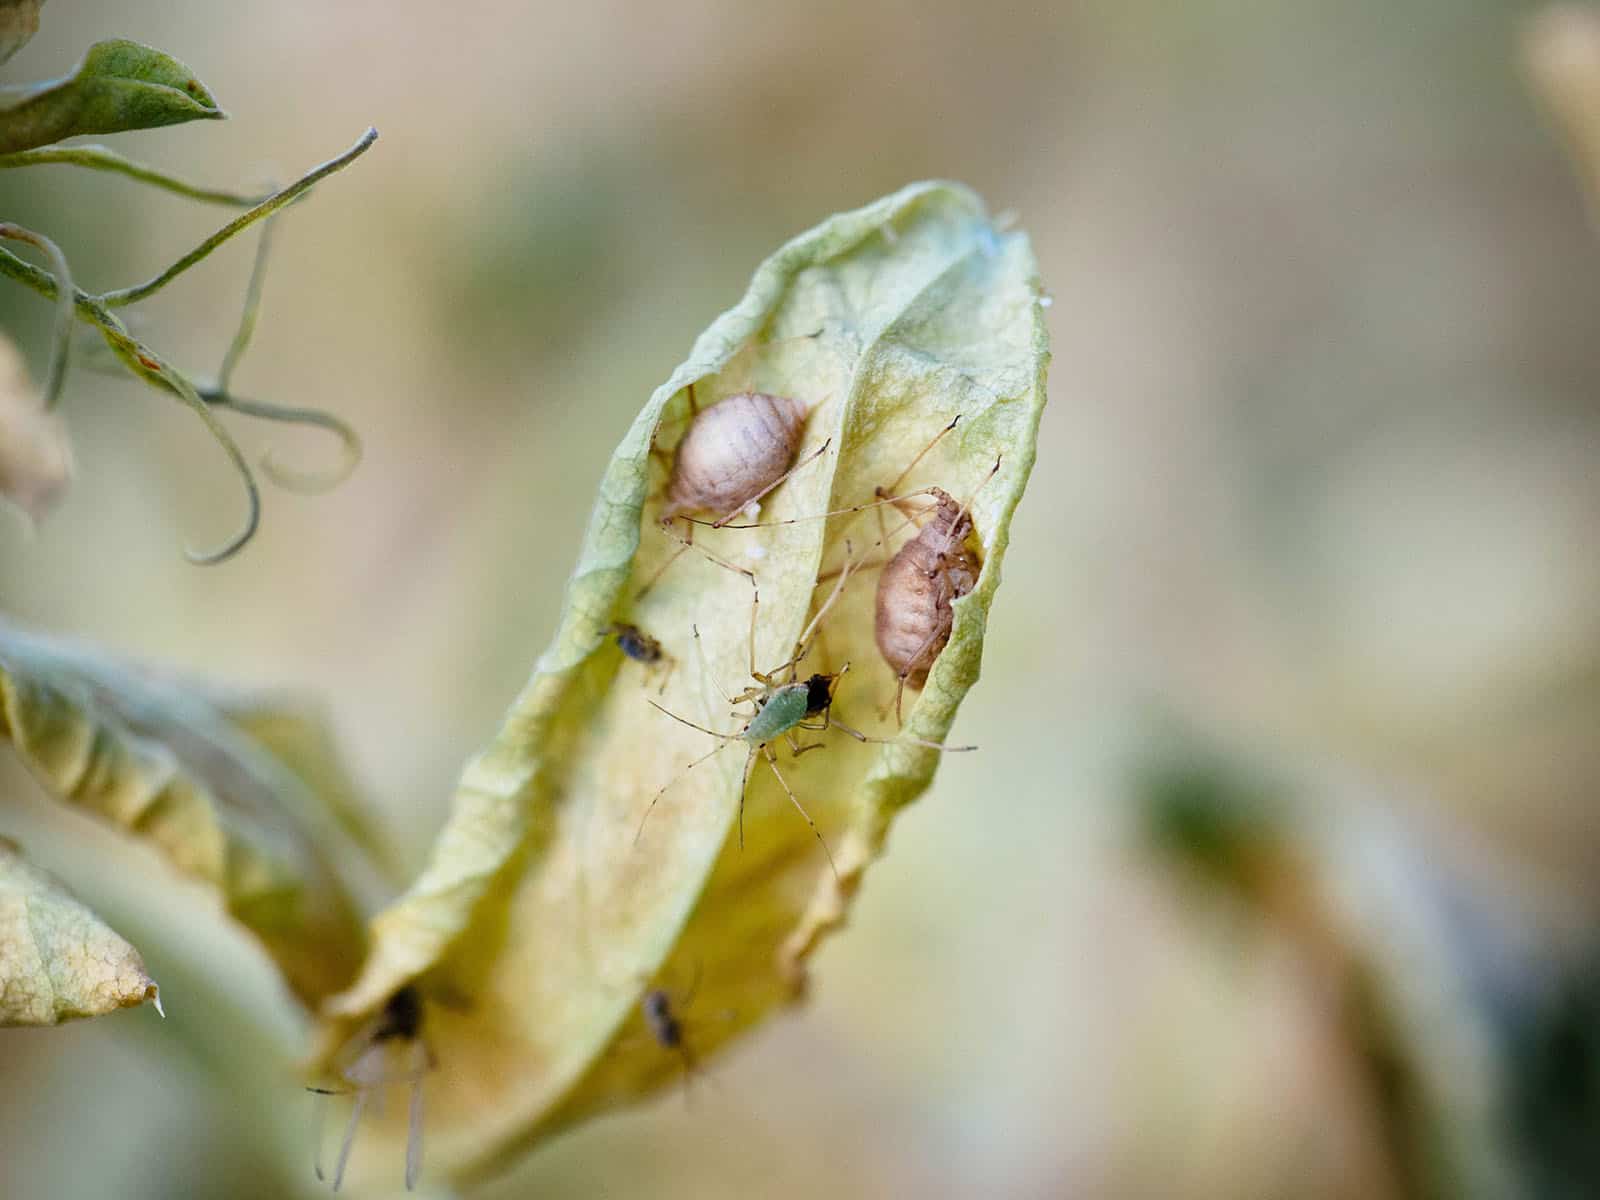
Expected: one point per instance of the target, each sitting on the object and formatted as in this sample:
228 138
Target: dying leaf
538 912
143 753
120 85
35 456
298 733
19 21
57 959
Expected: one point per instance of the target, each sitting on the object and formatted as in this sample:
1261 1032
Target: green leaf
19 21
120 85
152 757
538 912
57 959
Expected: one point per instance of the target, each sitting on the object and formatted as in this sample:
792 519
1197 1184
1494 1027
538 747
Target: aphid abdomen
732 451
916 588
785 708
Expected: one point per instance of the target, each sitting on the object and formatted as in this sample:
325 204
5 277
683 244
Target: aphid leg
414 1120
823 516
694 986
688 1074
795 800
794 742
688 544
319 1115
834 723
722 744
921 454
666 675
833 598
810 458
694 405
660 571
803 646
705 667
349 1137
744 786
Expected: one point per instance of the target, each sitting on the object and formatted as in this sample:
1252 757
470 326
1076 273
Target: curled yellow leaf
156 759
583 867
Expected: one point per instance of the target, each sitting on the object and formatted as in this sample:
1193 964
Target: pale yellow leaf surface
540 920
57 959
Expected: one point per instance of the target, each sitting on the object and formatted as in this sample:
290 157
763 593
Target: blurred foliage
1321 479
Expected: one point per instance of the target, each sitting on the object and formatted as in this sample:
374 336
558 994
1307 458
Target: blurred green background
1316 496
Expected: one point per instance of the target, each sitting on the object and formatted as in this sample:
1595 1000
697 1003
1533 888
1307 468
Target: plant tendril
290 478
61 349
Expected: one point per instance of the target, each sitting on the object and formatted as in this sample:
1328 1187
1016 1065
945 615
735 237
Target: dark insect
643 649
921 580
781 707
392 1050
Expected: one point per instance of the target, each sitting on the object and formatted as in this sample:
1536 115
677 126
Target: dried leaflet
157 761
537 907
35 457
57 959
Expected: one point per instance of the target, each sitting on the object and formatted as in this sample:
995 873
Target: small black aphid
402 1017
637 644
658 1015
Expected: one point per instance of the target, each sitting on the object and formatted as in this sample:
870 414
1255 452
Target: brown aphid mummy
371 1065
733 453
918 585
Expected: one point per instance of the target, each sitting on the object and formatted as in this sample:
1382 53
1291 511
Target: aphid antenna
722 744
837 512
705 666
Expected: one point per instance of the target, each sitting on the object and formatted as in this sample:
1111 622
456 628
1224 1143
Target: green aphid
782 708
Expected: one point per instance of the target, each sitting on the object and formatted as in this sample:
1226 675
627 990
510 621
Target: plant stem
252 308
102 158
266 208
